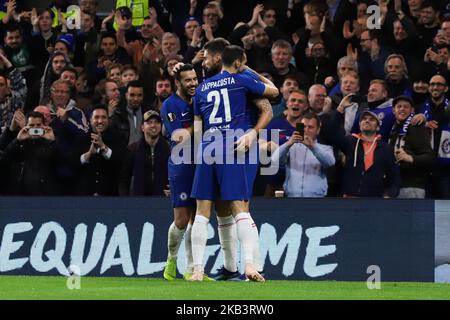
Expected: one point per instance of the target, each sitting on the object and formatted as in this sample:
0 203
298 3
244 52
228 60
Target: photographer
32 157
306 160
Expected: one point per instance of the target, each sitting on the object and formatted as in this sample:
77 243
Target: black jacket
100 176
31 164
382 178
415 142
119 121
140 175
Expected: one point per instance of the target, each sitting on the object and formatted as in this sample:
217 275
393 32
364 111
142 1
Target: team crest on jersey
446 146
171 117
381 116
183 196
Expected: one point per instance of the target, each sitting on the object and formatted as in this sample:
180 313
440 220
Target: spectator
87 40
151 34
396 76
428 23
31 158
18 52
190 25
256 37
42 42
127 121
109 94
280 130
102 157
40 91
169 64
414 9
344 65
315 61
109 53
144 171
412 150
370 168
436 59
281 60
114 73
70 127
348 105
162 91
306 161
212 14
402 37
13 91
420 89
65 43
129 73
89 7
373 55
445 27
437 113
290 83
318 101
379 104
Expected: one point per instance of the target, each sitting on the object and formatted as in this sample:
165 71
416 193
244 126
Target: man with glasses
437 113
371 60
211 19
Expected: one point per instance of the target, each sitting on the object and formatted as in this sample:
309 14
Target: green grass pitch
45 287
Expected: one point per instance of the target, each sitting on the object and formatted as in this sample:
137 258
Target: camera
36 131
300 128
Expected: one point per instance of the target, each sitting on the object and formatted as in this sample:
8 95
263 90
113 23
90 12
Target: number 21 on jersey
219 97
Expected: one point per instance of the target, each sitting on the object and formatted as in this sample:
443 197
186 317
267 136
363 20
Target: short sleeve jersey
176 114
221 101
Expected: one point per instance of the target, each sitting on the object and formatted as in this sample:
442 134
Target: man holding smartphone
306 160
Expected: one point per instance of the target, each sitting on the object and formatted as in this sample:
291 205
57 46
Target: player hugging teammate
229 105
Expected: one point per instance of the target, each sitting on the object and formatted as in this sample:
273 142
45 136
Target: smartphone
36 131
300 128
434 48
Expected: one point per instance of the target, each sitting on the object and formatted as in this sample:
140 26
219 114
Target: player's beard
212 71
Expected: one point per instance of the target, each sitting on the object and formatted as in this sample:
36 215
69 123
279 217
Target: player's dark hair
232 53
185 67
216 45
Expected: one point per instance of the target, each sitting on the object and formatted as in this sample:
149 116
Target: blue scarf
443 154
426 109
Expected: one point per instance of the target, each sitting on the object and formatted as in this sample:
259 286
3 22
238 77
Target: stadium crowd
363 109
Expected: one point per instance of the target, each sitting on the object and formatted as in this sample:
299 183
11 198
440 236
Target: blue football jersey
176 114
281 127
222 100
252 110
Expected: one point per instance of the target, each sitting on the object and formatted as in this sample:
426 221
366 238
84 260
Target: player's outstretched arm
266 114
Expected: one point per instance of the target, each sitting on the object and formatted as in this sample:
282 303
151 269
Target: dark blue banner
311 239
